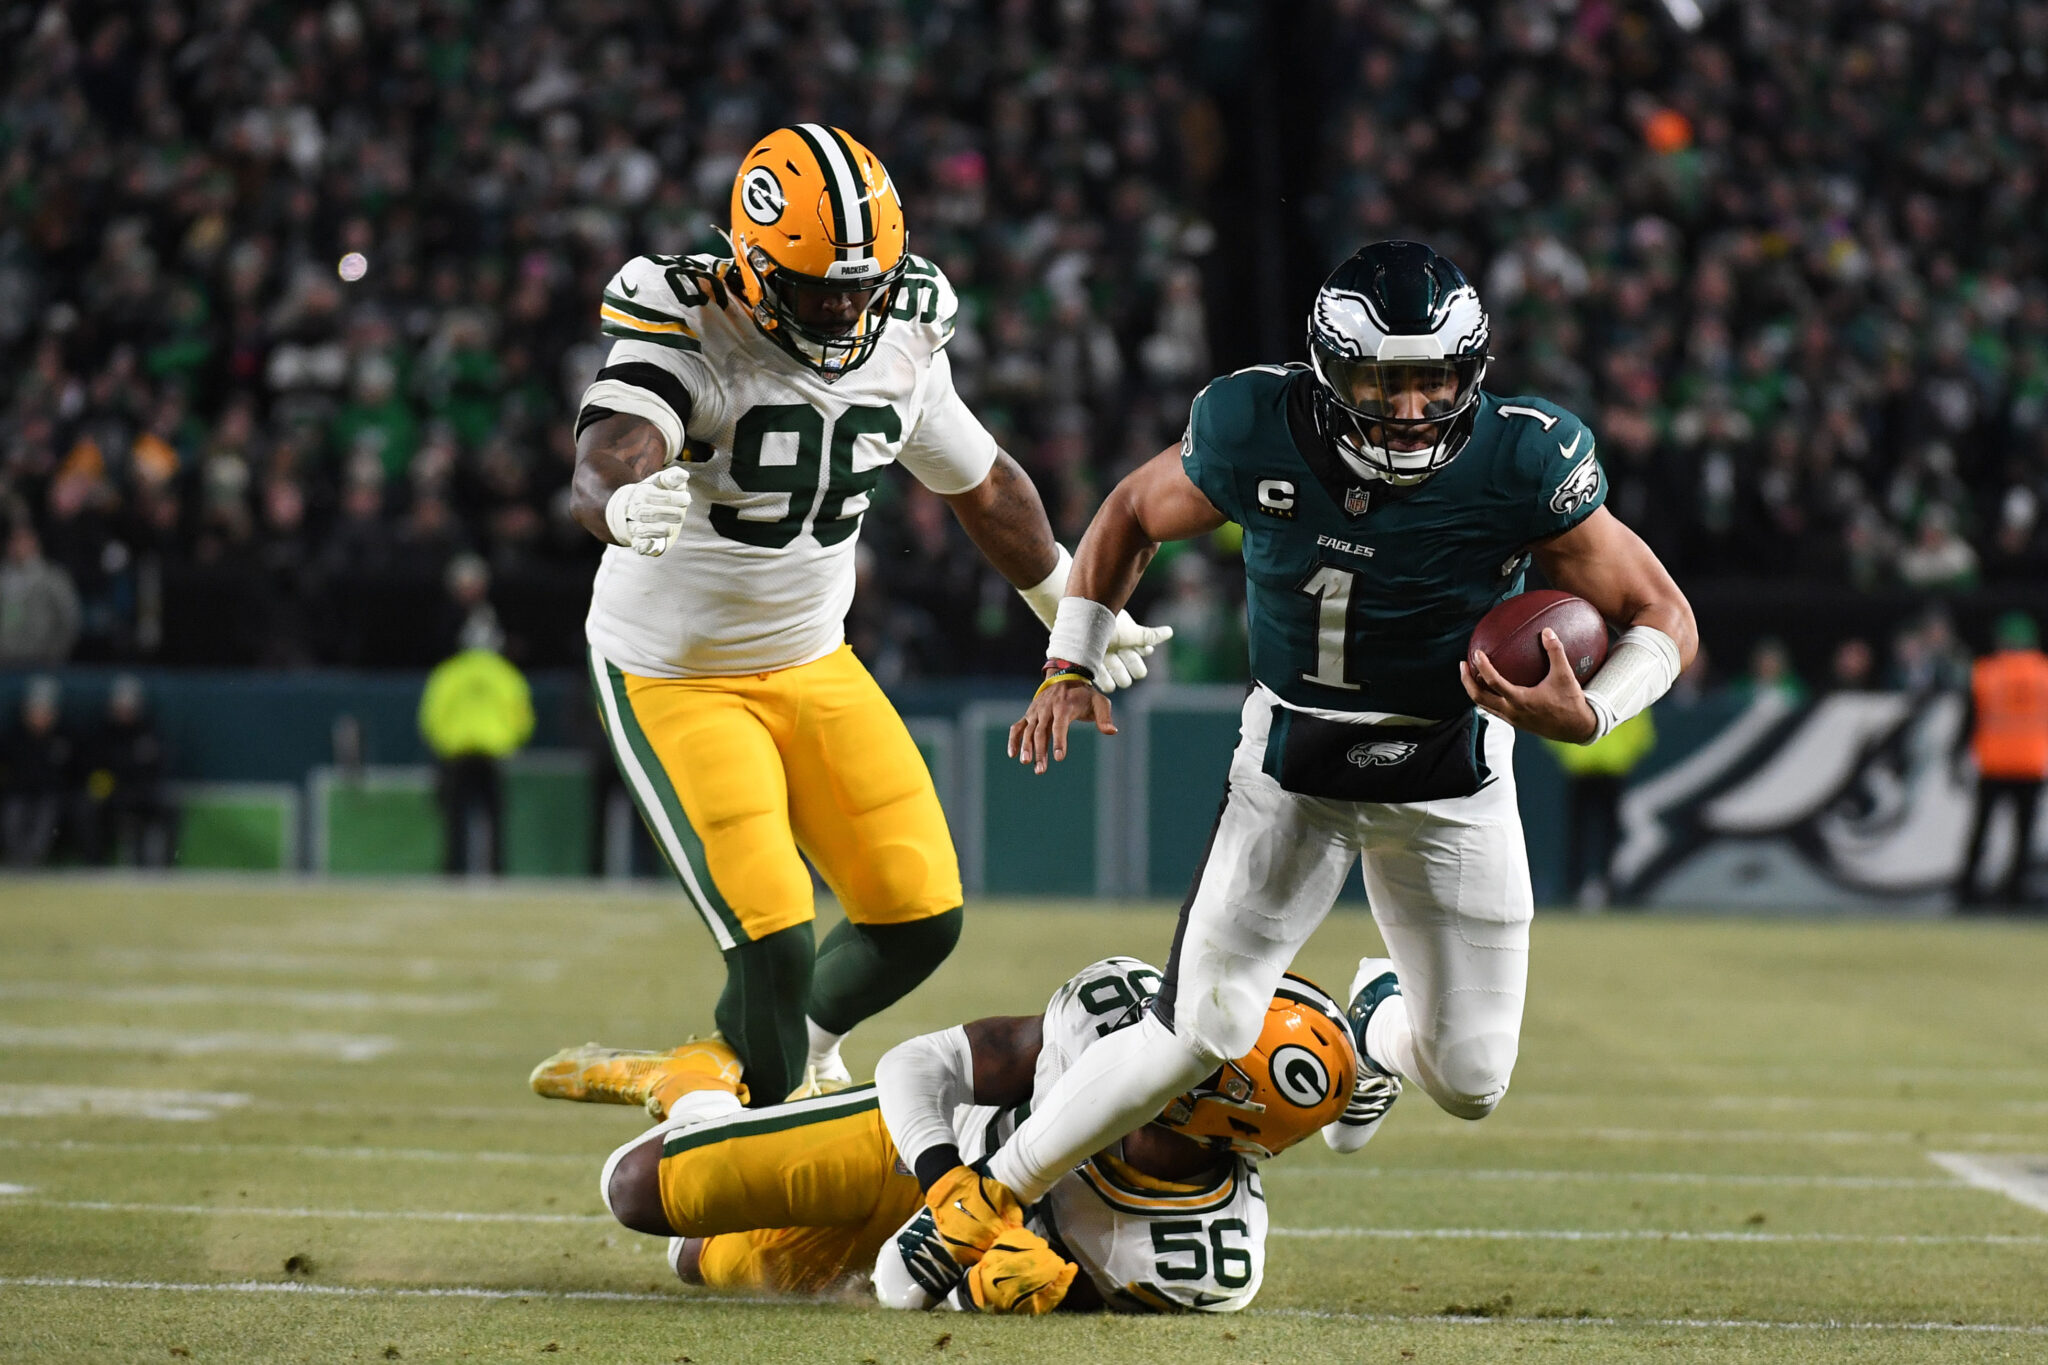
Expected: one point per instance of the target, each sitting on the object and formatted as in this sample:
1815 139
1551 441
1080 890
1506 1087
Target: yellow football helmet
1297 1078
818 244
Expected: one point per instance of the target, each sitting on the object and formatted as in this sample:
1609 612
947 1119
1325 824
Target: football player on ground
1387 502
804 1197
773 388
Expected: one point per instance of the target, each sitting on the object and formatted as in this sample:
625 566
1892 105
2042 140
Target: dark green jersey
1361 596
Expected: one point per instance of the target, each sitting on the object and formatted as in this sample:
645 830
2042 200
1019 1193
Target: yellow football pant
791 1199
737 777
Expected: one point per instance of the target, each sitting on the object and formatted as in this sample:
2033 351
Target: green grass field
240 1121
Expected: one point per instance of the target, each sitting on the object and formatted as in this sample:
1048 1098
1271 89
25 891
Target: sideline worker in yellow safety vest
476 711
1597 774
2008 737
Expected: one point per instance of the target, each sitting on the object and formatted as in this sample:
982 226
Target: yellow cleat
653 1080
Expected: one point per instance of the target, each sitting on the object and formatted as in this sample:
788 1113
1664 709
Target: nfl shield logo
1356 500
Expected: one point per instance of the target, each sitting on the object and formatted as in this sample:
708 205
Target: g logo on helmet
1300 1075
761 196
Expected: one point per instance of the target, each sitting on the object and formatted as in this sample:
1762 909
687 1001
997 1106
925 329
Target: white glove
1130 644
648 515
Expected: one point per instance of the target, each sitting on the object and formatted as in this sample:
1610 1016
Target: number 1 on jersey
1332 587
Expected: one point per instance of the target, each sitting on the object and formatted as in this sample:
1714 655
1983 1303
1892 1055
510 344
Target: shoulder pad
1540 427
658 298
1552 448
925 302
1227 410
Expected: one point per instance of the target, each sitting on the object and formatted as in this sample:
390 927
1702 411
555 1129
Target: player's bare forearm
1606 563
1156 502
1005 518
611 453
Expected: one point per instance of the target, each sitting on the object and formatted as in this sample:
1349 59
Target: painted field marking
1390 1234
1654 1235
259 997
681 1296
234 1149
72 1101
2023 1179
541 971
368 1215
1832 1182
244 1149
1825 1137
341 1047
7 1189
1706 1324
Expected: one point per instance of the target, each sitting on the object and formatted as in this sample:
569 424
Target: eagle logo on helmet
1398 347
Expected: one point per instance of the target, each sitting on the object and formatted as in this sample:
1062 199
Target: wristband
1064 675
1641 668
1081 632
1043 597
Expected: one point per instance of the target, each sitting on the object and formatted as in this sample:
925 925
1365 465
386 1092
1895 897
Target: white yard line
238 1150
341 1047
1655 1235
252 996
2023 1179
613 1296
541 970
1825 1137
6 1189
1706 1324
77 1101
1326 1233
368 1215
1831 1182
230 1149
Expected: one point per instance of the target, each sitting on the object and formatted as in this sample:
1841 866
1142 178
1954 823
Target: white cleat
1377 1089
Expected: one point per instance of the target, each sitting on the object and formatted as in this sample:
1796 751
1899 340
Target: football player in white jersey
807 1196
725 453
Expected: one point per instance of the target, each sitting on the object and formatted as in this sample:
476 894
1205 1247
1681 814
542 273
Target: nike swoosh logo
1002 1280
1570 450
629 290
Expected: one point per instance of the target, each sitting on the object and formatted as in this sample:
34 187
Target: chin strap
1639 669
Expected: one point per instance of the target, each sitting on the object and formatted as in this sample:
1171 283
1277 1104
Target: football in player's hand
1512 635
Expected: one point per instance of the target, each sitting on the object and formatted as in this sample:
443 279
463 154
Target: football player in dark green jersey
1388 501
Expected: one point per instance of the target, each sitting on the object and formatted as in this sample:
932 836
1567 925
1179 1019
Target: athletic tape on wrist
1044 596
1081 632
1639 669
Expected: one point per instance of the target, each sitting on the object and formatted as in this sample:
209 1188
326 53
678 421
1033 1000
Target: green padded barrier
548 817
377 822
246 826
1187 758
1024 834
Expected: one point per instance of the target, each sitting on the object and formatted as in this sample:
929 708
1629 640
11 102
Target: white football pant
1449 885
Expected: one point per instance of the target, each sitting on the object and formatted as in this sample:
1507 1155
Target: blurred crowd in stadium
1792 272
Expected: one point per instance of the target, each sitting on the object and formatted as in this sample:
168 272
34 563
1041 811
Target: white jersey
1148 1245
781 464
